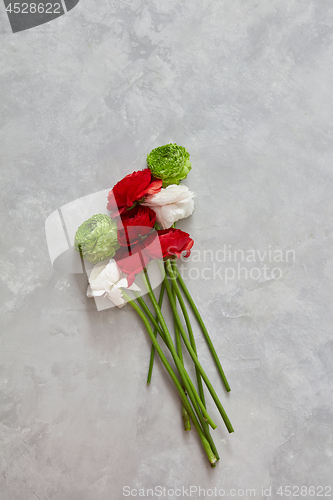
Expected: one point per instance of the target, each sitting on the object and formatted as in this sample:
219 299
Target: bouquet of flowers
141 231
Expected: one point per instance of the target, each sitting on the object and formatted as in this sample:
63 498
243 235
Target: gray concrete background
246 87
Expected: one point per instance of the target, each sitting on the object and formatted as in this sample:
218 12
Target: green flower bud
96 239
171 163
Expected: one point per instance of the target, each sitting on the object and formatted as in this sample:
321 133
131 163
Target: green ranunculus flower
96 239
171 163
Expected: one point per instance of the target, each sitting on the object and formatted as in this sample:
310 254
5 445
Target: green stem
152 352
176 293
194 396
190 350
205 443
193 344
177 336
204 329
186 418
189 387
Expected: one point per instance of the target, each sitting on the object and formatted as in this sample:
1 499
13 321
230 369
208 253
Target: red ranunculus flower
132 188
135 224
131 264
171 244
166 244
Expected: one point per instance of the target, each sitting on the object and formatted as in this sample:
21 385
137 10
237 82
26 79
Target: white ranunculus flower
106 280
171 204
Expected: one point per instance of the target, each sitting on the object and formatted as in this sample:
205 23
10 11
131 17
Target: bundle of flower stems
145 207
193 401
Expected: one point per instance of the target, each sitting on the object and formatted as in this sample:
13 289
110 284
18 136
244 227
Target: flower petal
171 204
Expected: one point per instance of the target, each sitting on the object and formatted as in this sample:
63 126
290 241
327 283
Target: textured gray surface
246 87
